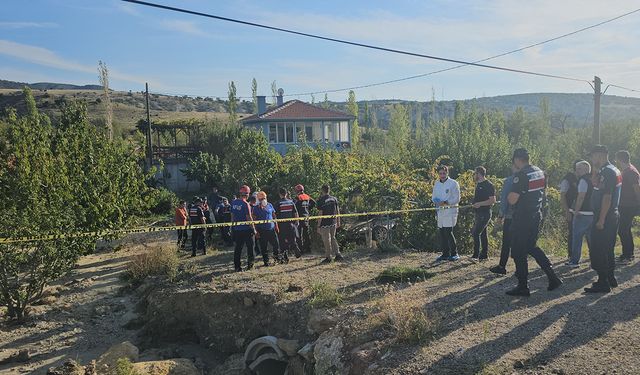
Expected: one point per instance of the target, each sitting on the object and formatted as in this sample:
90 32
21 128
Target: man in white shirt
446 196
582 212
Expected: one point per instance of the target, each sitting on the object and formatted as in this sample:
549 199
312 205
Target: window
309 132
290 131
344 131
316 129
330 131
273 135
281 138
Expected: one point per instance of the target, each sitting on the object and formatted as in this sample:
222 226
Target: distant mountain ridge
4 84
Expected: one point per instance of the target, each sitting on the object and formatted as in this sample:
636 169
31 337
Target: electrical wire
357 44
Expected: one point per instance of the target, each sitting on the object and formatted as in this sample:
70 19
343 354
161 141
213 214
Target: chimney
262 104
279 100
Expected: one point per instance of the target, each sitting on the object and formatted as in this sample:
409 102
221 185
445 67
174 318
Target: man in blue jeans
582 213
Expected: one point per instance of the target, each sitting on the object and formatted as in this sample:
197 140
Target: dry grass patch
403 274
406 318
324 295
159 261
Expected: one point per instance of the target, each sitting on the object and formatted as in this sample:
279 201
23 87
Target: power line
477 61
357 44
624 88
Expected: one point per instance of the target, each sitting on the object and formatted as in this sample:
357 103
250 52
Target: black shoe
498 270
238 270
285 259
338 258
326 261
193 255
521 291
483 259
613 283
297 252
598 288
554 283
249 267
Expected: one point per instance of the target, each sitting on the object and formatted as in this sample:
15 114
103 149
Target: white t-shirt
583 186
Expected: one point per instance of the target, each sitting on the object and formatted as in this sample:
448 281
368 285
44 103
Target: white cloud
25 25
186 27
44 57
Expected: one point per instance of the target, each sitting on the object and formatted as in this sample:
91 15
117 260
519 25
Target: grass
125 367
409 322
324 295
159 261
403 274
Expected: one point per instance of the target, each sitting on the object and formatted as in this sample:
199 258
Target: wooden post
597 83
149 142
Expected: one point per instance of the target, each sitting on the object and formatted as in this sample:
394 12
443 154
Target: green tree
254 94
399 129
57 179
352 108
325 103
233 104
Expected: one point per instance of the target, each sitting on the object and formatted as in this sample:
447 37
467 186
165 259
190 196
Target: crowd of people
256 232
599 199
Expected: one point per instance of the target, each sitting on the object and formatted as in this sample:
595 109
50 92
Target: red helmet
244 189
299 188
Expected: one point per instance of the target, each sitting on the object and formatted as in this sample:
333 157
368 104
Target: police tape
111 232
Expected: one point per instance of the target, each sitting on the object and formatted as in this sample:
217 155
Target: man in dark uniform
243 235
196 216
483 199
304 205
223 215
526 196
604 202
288 235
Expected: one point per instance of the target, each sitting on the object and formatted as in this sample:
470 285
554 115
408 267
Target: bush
325 295
125 367
160 261
409 322
403 274
161 201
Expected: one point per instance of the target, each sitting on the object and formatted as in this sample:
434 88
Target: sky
179 54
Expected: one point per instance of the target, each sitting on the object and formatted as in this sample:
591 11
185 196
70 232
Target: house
295 122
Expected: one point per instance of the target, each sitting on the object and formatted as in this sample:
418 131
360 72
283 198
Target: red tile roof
297 110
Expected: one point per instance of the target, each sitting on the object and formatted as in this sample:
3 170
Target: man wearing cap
266 231
604 202
243 235
629 203
304 205
196 216
288 231
526 196
223 215
446 196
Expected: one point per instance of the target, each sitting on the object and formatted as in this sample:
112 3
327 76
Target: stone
290 347
361 359
178 366
70 367
320 321
518 364
248 302
328 354
307 352
108 361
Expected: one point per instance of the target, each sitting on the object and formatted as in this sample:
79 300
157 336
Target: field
453 320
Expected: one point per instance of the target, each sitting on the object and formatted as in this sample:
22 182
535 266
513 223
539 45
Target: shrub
325 295
125 367
160 261
408 321
403 274
161 201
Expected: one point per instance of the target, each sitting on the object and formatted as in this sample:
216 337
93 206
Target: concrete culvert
264 357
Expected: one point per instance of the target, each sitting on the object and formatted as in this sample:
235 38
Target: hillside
572 110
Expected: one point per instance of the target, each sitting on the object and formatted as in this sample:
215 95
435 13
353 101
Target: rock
108 361
328 354
70 367
290 347
178 366
307 353
21 356
558 371
234 364
518 364
248 302
320 321
361 359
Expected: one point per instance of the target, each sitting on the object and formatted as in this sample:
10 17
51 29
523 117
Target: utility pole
148 132
597 93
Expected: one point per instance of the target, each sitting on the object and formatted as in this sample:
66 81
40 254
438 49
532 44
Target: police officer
223 215
243 235
604 202
267 232
208 217
526 196
505 218
304 205
196 216
288 234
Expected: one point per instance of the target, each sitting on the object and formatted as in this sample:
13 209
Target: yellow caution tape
102 233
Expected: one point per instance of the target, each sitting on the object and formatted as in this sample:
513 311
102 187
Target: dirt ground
480 329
